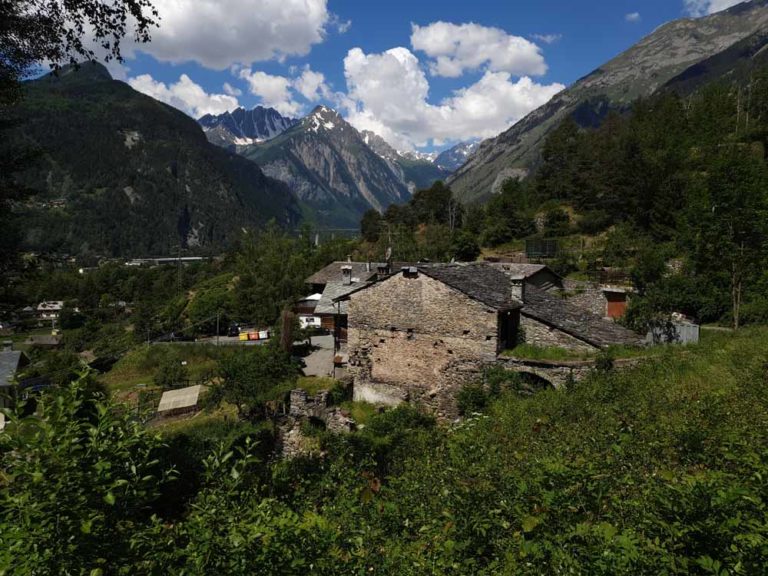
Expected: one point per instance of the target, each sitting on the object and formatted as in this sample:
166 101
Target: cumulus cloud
231 90
311 85
388 92
633 17
282 92
274 91
698 8
218 33
547 38
185 95
456 48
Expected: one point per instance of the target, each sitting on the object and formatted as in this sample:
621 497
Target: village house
305 311
50 309
333 283
424 332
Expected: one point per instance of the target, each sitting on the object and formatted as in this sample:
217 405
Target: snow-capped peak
323 118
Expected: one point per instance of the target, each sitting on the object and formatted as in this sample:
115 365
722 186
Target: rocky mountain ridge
328 164
640 71
242 127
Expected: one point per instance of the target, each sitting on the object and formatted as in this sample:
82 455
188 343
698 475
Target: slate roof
332 272
333 291
518 269
481 282
574 320
10 361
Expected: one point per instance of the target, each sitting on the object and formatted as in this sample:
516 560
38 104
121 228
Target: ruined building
420 334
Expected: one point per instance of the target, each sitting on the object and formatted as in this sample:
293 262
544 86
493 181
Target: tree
78 478
171 373
729 221
35 31
465 247
253 376
370 225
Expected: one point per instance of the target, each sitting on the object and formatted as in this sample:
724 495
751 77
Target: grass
362 412
530 352
140 365
554 354
314 384
224 414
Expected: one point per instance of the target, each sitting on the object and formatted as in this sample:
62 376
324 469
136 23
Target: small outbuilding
181 401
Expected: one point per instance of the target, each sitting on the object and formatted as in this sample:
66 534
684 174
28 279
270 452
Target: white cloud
633 17
311 85
547 38
274 91
218 33
456 48
341 26
698 8
281 92
231 90
185 95
387 93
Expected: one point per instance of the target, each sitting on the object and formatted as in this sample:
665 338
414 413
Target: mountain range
118 173
331 166
327 163
242 127
674 51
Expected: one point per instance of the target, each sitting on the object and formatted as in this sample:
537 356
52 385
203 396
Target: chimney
7 345
517 288
346 275
382 269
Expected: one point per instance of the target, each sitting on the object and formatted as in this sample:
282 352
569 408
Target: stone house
424 332
332 283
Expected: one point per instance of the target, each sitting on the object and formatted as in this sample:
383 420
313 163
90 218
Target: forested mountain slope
119 173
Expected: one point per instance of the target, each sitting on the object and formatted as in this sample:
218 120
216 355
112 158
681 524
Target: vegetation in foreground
657 470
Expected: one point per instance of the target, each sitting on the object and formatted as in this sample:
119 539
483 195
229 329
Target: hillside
119 173
639 72
326 162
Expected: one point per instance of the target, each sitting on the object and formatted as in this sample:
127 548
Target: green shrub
471 399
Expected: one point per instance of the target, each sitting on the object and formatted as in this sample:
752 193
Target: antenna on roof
388 255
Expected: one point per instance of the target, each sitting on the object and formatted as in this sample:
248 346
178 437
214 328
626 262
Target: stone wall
587 295
545 336
416 339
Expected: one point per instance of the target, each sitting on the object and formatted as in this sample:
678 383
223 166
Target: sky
423 74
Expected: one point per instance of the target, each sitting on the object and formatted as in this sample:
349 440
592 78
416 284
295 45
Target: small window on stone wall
410 334
488 338
466 332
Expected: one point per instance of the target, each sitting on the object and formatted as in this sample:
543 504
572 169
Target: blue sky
423 74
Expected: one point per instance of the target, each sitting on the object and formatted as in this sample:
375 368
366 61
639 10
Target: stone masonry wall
587 295
416 339
544 336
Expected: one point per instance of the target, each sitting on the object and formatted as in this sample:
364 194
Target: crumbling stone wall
586 295
290 440
544 336
416 339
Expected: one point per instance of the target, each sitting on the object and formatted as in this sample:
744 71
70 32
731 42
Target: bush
170 373
594 222
471 399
